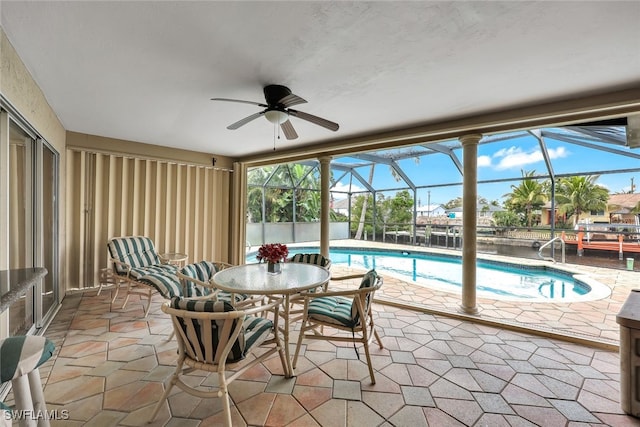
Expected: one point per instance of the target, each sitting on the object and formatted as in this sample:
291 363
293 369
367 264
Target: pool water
493 280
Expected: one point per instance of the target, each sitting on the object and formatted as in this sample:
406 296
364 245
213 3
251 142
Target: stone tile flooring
111 364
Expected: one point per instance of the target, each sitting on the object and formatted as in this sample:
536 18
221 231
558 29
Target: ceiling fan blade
288 130
244 121
314 119
291 100
239 100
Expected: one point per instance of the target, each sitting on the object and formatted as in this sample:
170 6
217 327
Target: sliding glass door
33 225
22 312
47 252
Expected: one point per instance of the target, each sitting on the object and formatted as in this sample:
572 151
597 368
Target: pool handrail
550 242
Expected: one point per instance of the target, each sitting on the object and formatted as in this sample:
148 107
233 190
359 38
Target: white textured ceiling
145 71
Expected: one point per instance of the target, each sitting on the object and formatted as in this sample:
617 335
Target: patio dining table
254 279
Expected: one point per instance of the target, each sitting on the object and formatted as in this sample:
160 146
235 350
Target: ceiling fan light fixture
276 116
278 100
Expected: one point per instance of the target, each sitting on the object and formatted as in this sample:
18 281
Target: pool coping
598 290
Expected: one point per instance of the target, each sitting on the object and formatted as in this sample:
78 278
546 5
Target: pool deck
587 322
111 365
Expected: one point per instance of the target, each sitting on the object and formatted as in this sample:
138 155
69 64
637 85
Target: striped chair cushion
341 310
255 329
203 271
136 251
139 272
167 284
22 354
316 259
312 258
369 280
335 310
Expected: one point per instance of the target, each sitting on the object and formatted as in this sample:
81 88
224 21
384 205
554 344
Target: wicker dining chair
197 278
295 312
213 336
347 310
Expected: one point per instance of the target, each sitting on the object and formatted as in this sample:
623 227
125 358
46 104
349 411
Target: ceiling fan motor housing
277 110
274 93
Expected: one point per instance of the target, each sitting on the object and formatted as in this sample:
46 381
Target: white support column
325 196
469 221
237 214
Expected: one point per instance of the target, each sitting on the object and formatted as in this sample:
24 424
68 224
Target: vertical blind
181 207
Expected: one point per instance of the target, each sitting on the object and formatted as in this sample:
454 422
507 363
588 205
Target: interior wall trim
80 149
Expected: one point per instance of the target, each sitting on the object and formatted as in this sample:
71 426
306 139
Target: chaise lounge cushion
139 253
165 282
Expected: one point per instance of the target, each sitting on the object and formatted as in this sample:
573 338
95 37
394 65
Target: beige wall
21 91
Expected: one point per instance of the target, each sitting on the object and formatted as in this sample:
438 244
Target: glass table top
254 278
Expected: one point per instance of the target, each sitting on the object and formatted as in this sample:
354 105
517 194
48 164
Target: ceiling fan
278 100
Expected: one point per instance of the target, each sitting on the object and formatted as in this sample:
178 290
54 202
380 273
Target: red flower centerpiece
273 254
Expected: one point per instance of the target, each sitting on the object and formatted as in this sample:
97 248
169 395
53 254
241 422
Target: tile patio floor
111 364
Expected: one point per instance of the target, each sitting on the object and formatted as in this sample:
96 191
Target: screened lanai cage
532 186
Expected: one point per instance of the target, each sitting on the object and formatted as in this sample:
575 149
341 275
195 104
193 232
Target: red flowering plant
273 252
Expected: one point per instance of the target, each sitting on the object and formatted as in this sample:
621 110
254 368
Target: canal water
590 258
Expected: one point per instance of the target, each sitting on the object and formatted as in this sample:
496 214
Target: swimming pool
496 280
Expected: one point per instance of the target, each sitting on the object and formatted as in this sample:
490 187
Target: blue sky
505 160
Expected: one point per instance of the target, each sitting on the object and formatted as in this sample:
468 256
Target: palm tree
578 194
529 195
360 229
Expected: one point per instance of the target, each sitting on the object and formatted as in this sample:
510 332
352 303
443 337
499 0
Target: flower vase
274 267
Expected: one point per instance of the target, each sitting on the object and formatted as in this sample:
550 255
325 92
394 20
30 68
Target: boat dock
618 245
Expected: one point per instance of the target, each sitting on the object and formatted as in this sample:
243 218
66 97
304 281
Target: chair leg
283 357
366 352
303 328
366 339
104 278
170 384
37 397
115 294
223 393
117 289
146 312
126 297
375 333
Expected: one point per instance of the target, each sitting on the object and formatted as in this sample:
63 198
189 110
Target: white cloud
340 189
484 161
516 158
558 153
